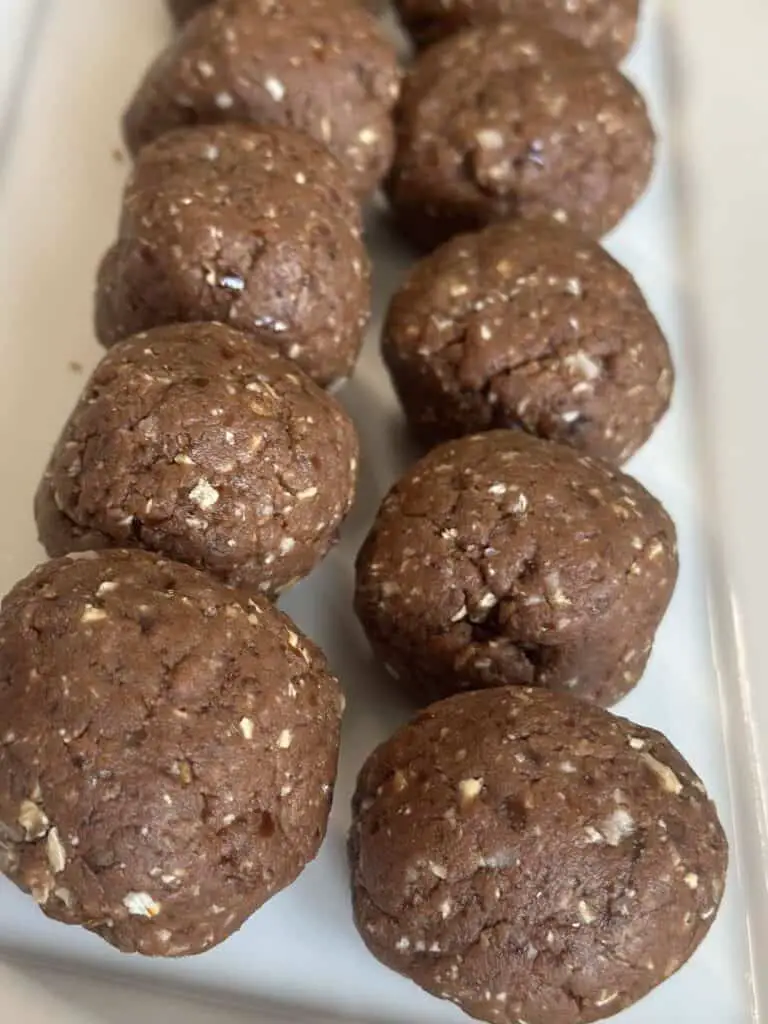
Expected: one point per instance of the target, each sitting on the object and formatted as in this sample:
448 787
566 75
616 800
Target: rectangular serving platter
696 245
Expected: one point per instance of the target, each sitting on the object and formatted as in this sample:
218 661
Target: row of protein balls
168 745
168 752
607 26
526 323
512 120
169 742
541 74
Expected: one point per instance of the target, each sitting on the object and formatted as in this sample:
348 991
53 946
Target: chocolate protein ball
532 858
515 120
182 10
167 750
198 442
528 324
607 26
324 67
250 226
504 559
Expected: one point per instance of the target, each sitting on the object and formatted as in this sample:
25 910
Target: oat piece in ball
199 442
607 26
324 67
533 858
167 752
253 227
501 558
514 120
530 325
183 10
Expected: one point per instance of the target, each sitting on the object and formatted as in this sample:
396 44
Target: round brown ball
528 325
168 750
515 120
252 227
323 67
504 559
183 10
532 858
200 443
607 26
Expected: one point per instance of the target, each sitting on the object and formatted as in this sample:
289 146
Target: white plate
68 68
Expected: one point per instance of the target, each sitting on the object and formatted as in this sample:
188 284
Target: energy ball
532 858
504 559
323 67
607 26
252 227
182 10
202 444
529 325
516 121
168 750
